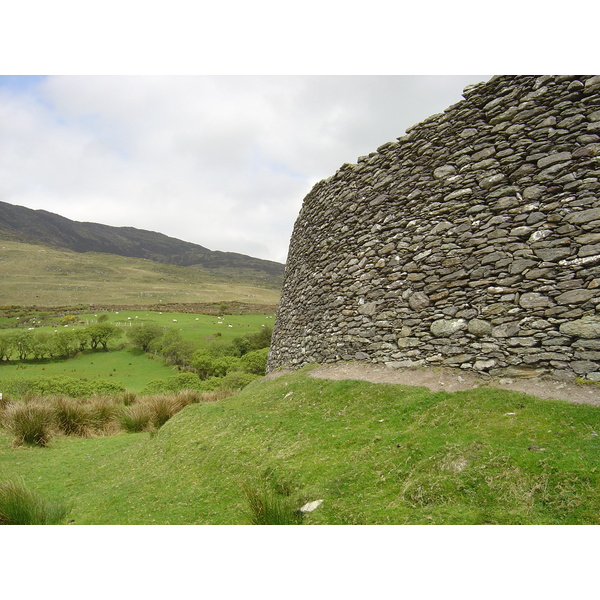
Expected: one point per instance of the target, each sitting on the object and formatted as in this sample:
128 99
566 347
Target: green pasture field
124 364
129 367
373 453
198 328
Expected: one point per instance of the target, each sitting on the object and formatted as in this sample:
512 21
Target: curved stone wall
473 241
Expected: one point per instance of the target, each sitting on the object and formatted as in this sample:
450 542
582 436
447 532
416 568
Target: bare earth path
450 380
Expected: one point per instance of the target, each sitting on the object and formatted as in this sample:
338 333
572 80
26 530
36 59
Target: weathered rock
534 300
419 301
447 327
479 327
587 327
575 296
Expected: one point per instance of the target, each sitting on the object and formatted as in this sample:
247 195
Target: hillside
35 274
22 224
373 453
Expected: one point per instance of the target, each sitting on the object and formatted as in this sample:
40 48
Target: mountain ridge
40 226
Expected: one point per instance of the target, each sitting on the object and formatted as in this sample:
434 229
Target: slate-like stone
534 301
576 296
586 327
551 159
447 327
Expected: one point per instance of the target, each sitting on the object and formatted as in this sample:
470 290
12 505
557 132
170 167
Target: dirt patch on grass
451 380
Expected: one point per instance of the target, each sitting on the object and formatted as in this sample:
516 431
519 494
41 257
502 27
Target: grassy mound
374 453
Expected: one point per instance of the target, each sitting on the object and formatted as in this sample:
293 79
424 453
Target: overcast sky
212 156
221 161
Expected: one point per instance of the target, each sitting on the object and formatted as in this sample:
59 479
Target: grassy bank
374 453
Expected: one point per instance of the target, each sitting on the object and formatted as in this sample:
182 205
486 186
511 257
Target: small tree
101 334
62 343
173 348
143 335
6 348
23 343
82 338
41 344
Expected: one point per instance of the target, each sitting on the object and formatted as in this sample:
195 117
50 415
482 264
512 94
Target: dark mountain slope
40 226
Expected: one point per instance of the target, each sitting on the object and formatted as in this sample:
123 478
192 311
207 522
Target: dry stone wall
473 241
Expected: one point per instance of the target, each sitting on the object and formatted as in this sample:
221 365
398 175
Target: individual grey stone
458 194
445 171
447 327
575 296
582 367
553 158
518 266
589 250
488 182
419 301
583 216
586 327
368 308
534 301
479 327
522 231
407 342
468 133
487 152
552 254
484 365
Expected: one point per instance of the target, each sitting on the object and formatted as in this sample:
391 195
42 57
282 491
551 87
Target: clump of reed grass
29 422
21 506
104 414
71 416
135 418
266 507
128 398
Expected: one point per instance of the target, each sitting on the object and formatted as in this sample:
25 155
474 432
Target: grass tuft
21 506
71 416
267 507
135 418
29 422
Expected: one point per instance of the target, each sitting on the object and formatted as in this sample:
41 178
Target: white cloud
221 161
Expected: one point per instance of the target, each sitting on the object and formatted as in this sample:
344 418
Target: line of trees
36 345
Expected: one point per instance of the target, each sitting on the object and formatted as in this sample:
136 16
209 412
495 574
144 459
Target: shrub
252 341
269 508
103 386
235 380
176 383
255 362
30 423
61 385
20 506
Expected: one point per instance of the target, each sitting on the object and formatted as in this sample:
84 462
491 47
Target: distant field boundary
204 308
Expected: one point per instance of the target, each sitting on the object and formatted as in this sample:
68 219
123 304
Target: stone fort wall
473 241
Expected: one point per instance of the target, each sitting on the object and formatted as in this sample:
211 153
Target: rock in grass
310 506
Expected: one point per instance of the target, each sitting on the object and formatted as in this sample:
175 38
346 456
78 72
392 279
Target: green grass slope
374 453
